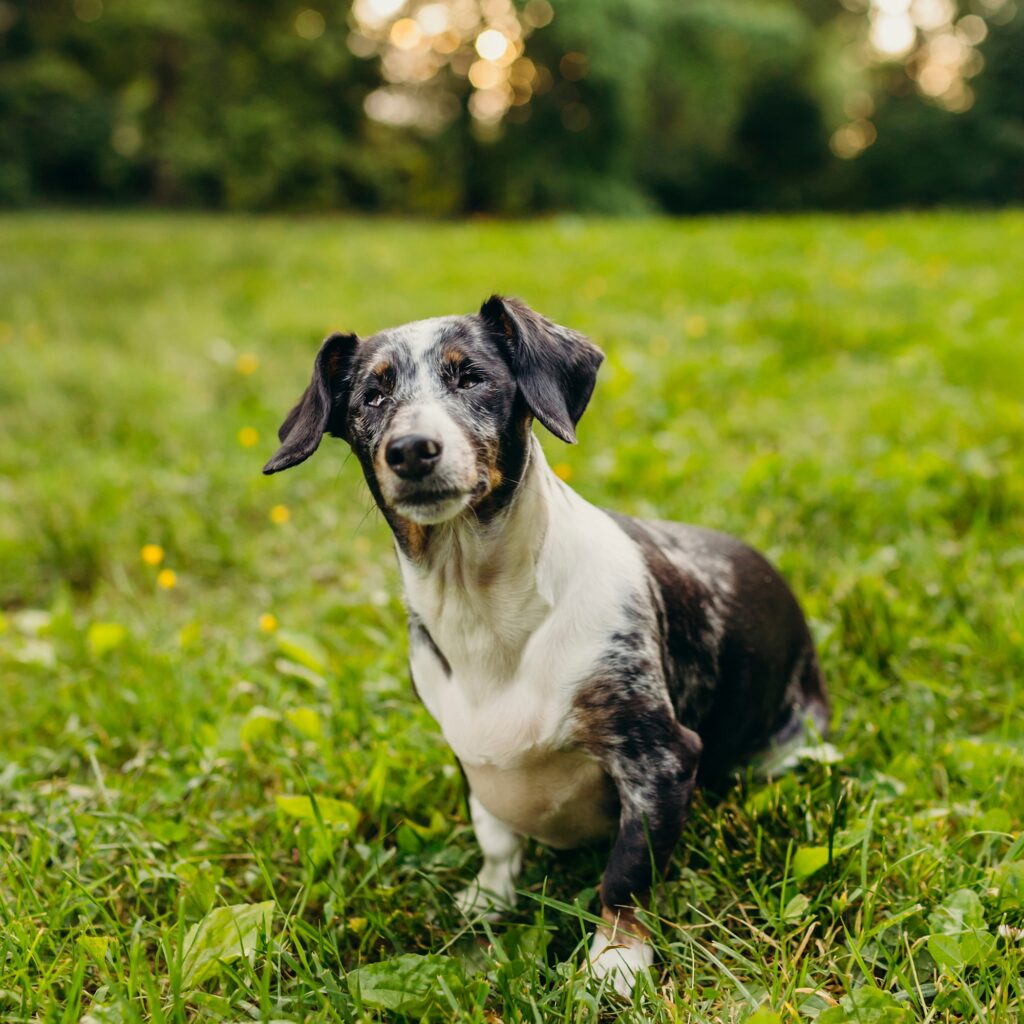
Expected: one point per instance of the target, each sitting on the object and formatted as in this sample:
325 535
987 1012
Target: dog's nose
413 456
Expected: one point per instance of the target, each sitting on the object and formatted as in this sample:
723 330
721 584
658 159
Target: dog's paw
477 901
622 959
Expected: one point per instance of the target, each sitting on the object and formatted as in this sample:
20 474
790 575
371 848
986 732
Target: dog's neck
476 587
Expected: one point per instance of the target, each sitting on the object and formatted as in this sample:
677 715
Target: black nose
413 456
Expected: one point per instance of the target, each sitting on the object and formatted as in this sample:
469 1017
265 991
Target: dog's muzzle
413 456
426 469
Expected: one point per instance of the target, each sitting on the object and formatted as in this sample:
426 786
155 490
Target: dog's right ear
321 409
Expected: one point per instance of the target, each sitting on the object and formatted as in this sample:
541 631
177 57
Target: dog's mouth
429 506
419 498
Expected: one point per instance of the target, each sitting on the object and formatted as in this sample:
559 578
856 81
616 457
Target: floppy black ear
555 367
321 409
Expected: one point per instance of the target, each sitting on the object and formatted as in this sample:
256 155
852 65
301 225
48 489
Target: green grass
843 393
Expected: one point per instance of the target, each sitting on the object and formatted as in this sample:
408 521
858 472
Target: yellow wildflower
152 554
247 363
280 514
167 578
696 326
268 622
248 436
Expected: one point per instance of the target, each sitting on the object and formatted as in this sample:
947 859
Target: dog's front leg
494 888
652 760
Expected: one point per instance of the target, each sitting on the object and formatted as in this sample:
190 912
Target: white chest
514 750
508 649
487 721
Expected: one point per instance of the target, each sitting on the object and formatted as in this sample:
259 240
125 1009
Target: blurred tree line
606 105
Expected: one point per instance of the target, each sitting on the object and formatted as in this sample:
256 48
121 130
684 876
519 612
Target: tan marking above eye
381 368
452 357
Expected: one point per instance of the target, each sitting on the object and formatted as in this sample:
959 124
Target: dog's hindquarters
739 658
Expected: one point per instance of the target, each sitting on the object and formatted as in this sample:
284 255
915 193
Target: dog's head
438 411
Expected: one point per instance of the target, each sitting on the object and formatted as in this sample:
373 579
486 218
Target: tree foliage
688 106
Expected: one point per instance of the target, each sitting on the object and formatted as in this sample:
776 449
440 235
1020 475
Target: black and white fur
586 668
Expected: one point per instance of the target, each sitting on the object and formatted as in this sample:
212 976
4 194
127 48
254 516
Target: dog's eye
469 380
374 398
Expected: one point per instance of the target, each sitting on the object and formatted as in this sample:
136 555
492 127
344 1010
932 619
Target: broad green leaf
95 945
977 947
190 636
296 671
117 1012
809 859
945 951
1009 879
958 913
105 636
867 1005
332 812
796 908
405 984
258 725
527 942
303 649
306 721
996 819
407 840
226 933
764 1015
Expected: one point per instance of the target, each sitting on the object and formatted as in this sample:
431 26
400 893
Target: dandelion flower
167 579
268 622
247 364
563 470
152 554
248 436
280 514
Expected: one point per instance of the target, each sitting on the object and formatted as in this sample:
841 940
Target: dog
586 668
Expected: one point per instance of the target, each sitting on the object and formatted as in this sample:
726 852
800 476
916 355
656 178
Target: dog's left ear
555 367
322 407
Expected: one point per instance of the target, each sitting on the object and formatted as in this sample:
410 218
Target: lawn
205 696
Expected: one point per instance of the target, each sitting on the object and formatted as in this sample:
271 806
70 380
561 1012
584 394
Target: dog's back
726 614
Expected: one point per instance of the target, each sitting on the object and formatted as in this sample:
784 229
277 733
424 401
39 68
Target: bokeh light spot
892 35
432 19
88 10
538 13
575 117
573 66
485 75
126 140
491 44
309 24
406 34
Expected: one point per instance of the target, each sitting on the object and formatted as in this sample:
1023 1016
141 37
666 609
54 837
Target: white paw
477 901
622 959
